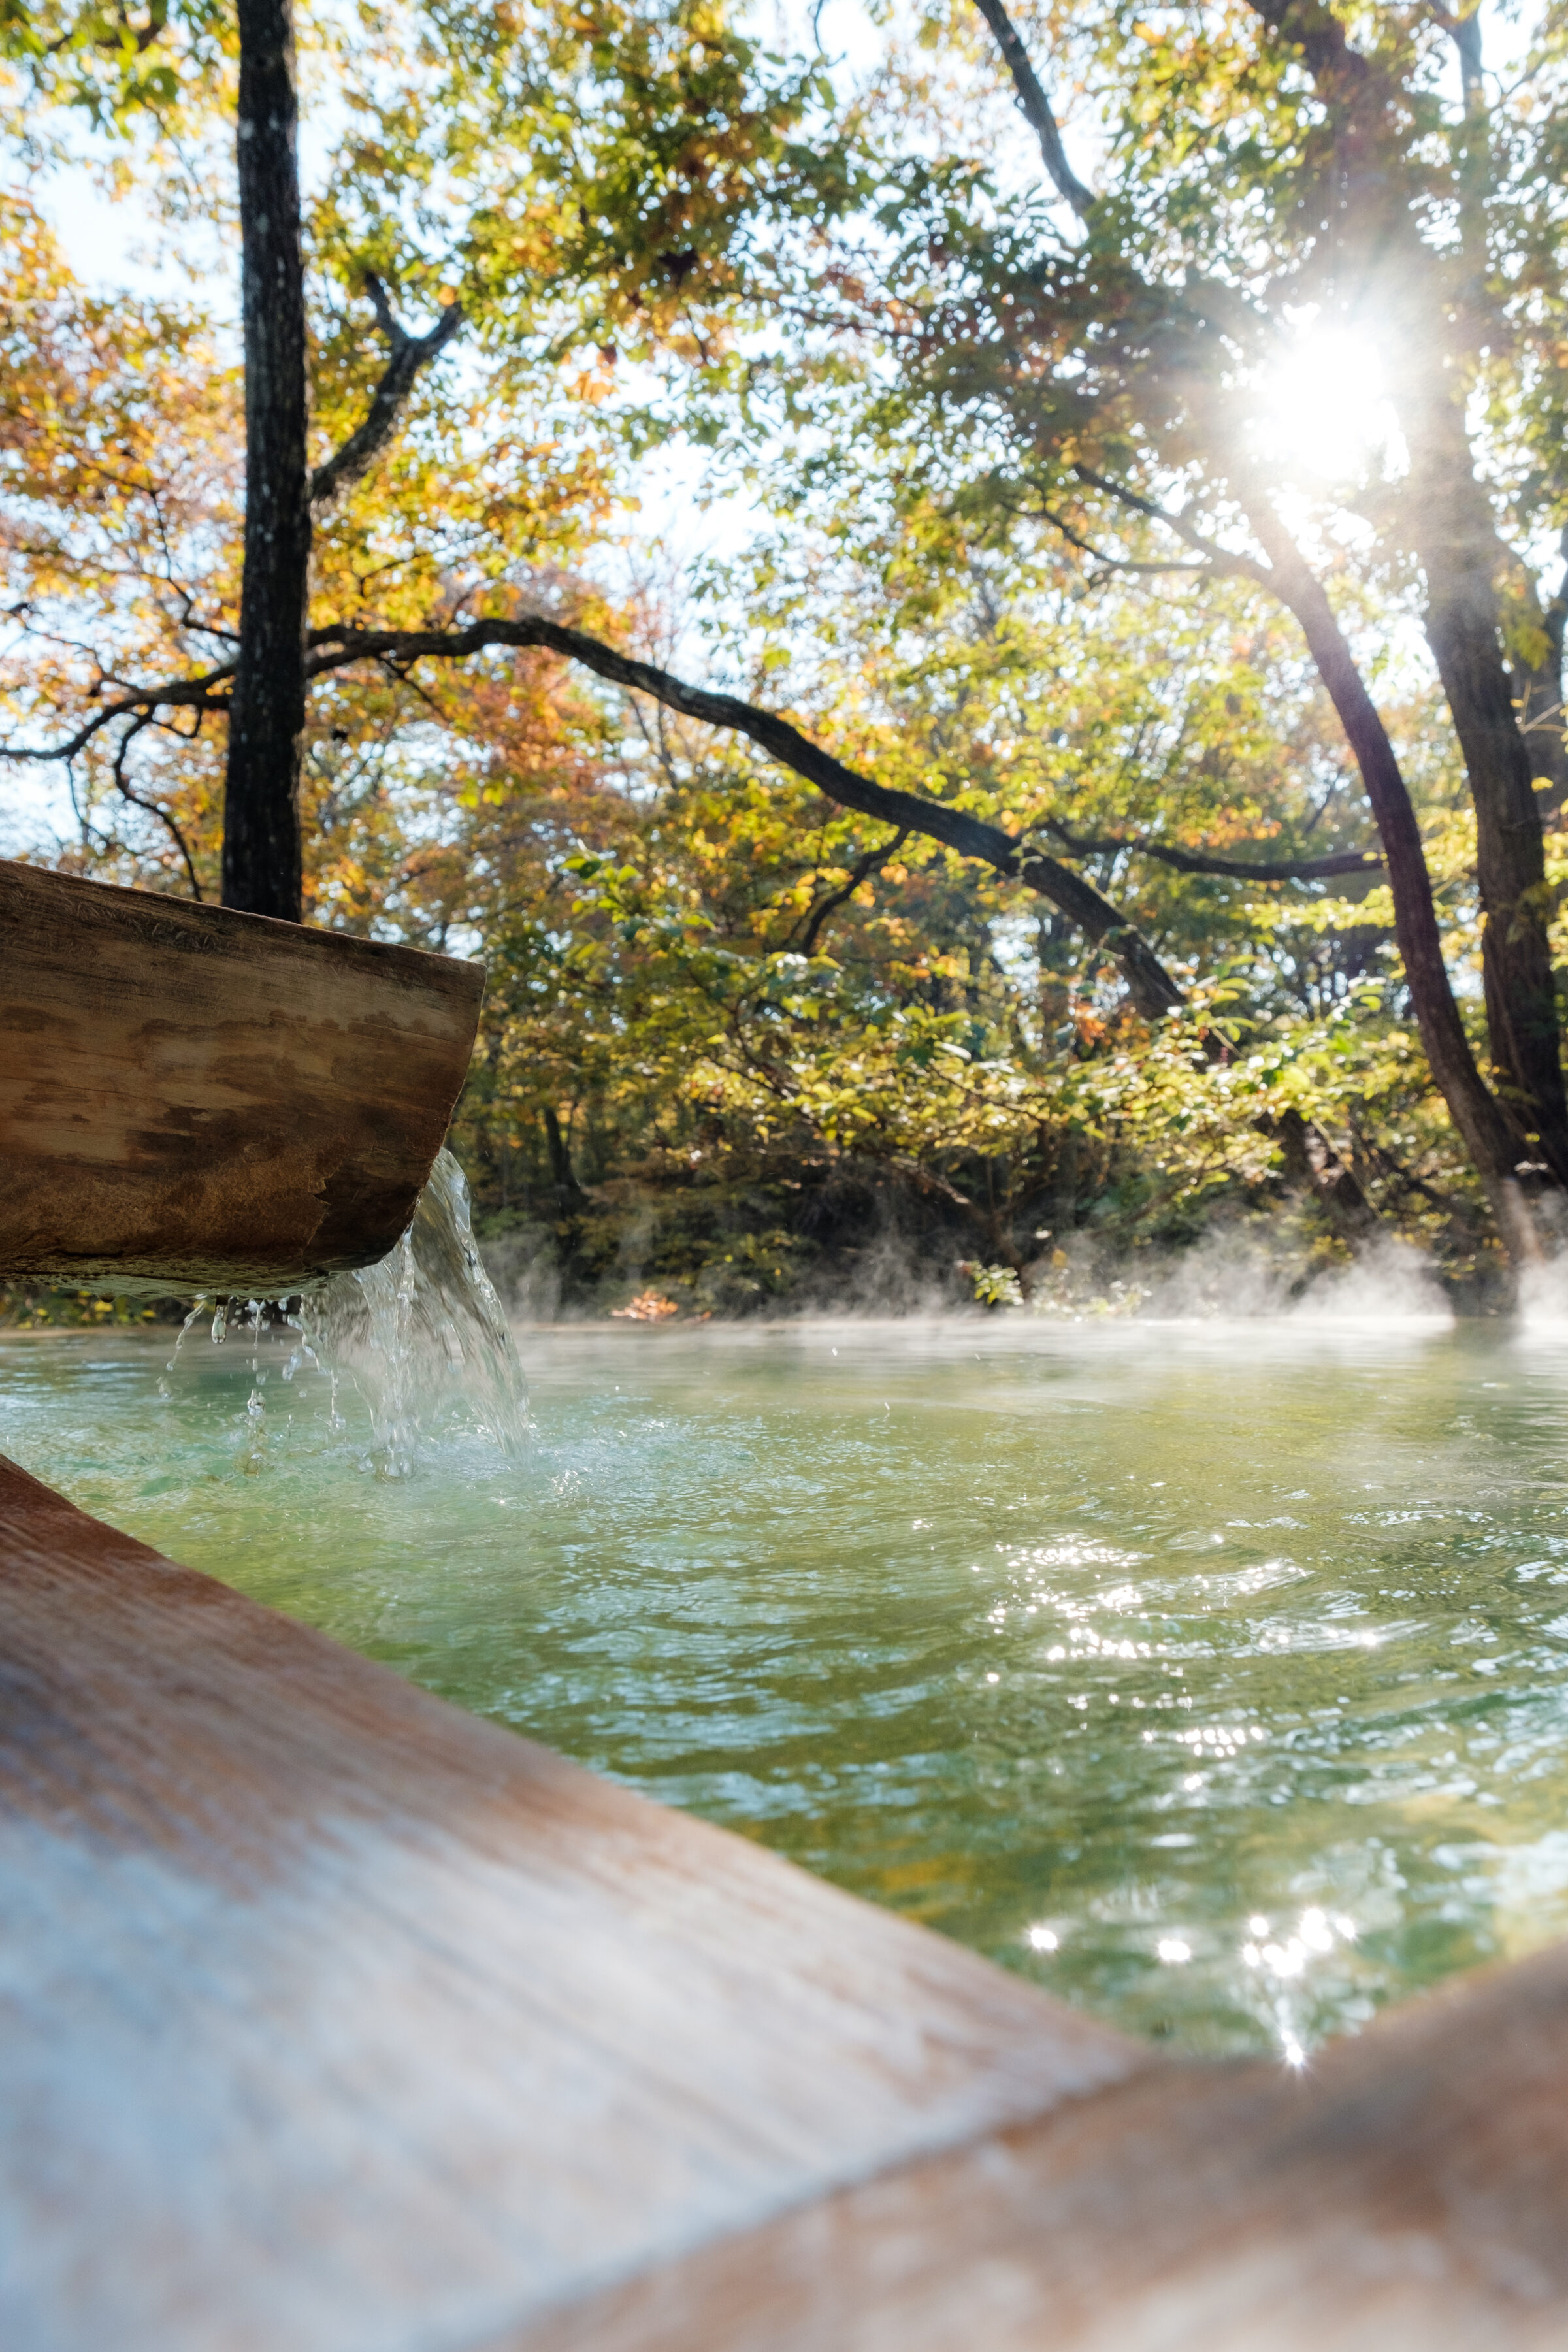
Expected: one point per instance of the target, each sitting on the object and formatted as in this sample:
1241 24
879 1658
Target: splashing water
369 1317
165 1391
425 1335
421 1335
303 1353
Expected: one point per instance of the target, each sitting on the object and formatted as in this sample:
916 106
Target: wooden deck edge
340 2019
1405 2192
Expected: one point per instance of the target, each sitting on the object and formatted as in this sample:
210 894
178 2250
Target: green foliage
121 68
994 1285
45 1309
737 1040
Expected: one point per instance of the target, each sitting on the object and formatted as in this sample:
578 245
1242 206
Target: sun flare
1323 408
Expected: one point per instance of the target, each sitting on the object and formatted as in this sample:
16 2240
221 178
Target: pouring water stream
422 1334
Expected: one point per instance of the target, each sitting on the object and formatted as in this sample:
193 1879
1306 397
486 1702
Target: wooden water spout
195 1099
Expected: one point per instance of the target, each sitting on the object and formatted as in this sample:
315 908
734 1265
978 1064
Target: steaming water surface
1216 1677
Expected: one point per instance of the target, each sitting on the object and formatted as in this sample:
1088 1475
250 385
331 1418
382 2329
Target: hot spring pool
1214 1675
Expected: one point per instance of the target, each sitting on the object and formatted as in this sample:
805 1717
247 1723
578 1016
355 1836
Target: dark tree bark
1203 861
861 871
410 353
1061 1202
1310 1164
1149 984
1036 107
569 1193
1371 231
1516 955
261 859
1456 541
1495 1143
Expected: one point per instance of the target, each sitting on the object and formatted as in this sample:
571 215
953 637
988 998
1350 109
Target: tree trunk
569 1192
1456 544
1312 1165
1377 248
1455 534
1062 1200
1380 251
261 860
1495 1143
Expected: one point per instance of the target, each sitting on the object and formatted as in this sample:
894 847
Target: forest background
1029 428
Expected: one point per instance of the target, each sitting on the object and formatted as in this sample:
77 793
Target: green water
1215 1676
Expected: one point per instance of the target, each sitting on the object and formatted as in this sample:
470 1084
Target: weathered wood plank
332 2018
1408 2193
207 1100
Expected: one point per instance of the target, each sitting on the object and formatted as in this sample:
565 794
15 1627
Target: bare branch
1219 559
1195 861
152 808
1117 563
1153 988
409 354
386 318
1037 108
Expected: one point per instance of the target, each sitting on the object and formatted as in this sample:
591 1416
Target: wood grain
196 1099
334 2019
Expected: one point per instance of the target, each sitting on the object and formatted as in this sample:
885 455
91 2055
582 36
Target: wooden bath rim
340 2020
193 1099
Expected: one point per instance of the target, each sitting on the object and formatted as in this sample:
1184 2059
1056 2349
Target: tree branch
1075 538
1037 108
1150 986
1343 76
1219 559
1194 861
186 693
1153 990
862 871
409 354
152 808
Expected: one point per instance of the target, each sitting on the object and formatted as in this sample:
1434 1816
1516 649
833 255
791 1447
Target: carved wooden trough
196 1099
334 2020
